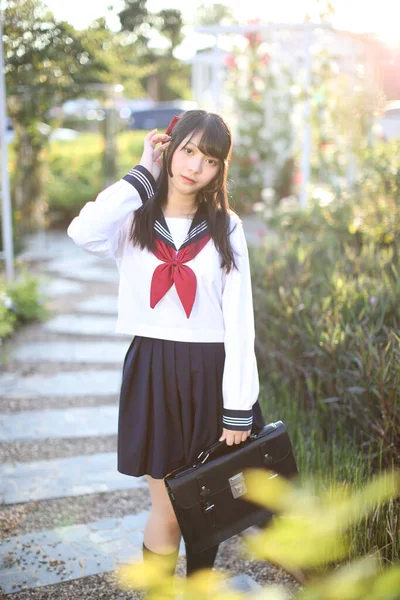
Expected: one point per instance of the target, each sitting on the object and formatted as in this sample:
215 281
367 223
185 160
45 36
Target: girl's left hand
234 437
152 154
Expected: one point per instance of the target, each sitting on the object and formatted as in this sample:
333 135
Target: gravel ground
50 448
95 587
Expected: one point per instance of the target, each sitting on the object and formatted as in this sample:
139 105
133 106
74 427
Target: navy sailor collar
198 228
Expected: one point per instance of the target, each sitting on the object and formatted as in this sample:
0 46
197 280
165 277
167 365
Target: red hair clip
170 127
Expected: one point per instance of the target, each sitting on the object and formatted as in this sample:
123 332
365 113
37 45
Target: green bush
74 172
327 306
20 302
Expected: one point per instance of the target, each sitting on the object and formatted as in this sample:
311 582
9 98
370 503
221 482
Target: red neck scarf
173 270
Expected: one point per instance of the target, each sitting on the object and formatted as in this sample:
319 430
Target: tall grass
327 306
325 461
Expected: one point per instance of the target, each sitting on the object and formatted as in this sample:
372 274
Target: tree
155 37
47 62
214 14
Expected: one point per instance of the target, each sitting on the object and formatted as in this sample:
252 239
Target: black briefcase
209 497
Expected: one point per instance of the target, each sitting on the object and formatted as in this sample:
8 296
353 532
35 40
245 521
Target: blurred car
158 116
9 132
389 123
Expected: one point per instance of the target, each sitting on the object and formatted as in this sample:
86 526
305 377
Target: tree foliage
153 39
214 14
45 59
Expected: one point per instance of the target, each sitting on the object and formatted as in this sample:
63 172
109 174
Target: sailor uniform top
179 291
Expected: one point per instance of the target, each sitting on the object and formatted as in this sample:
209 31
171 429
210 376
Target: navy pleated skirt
170 405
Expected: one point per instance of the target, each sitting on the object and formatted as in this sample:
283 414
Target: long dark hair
216 141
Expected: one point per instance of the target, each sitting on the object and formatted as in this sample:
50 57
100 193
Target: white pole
216 80
6 220
306 145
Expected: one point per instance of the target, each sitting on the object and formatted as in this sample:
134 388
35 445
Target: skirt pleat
170 405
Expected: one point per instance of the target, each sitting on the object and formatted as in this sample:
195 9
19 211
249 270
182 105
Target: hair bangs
215 141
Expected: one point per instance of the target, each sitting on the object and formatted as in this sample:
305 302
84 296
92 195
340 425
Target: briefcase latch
238 486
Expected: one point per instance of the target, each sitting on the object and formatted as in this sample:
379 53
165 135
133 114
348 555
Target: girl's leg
162 533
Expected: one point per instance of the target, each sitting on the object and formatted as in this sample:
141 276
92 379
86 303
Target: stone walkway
63 477
73 552
82 291
61 384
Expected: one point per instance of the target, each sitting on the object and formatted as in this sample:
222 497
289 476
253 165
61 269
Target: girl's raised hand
152 155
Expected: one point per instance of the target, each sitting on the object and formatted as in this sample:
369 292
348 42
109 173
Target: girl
190 374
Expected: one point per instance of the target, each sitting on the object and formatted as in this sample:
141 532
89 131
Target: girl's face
192 170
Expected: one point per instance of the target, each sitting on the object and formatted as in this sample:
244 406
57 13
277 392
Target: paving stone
65 477
49 245
74 533
49 536
68 558
136 538
127 555
134 522
60 287
119 547
101 564
82 325
99 274
100 304
71 570
107 535
85 270
72 352
59 550
72 422
243 583
86 548
12 581
85 383
69 264
8 545
110 523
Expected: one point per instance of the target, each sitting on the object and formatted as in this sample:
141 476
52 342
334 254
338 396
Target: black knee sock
200 560
171 559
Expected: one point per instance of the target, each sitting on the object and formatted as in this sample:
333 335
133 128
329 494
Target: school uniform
190 369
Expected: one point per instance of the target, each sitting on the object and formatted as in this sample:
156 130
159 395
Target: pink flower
298 178
255 37
230 61
266 59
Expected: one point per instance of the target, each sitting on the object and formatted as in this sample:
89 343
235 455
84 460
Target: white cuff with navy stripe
143 181
237 420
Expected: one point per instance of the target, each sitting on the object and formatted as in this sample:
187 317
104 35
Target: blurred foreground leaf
309 530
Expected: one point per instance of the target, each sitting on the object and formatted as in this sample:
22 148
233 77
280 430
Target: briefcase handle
211 451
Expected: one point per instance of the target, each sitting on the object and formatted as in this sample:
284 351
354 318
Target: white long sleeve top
223 304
